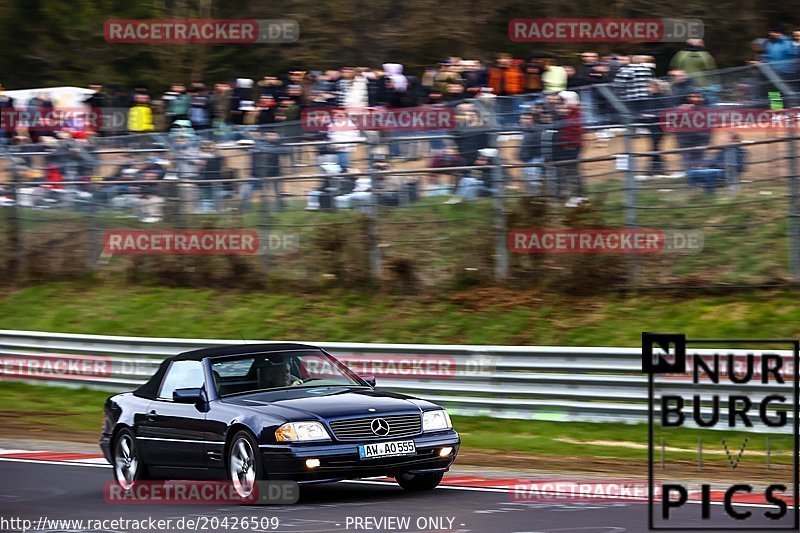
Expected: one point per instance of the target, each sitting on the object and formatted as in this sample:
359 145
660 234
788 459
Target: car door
172 434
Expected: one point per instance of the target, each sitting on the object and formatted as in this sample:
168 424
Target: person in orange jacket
506 77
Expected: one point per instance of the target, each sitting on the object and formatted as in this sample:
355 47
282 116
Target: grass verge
44 412
493 315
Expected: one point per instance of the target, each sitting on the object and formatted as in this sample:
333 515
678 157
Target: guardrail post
93 252
769 454
373 232
14 231
794 210
629 200
260 169
630 192
498 203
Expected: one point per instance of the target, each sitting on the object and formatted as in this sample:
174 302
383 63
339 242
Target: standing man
779 52
140 116
506 79
632 81
694 60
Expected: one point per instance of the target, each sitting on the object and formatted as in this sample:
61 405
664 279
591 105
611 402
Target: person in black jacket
267 164
652 115
530 152
211 170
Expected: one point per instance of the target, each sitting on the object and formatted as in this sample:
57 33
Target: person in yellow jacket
140 116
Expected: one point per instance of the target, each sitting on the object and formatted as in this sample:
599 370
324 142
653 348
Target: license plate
387 449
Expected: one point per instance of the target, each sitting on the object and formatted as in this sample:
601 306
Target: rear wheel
414 482
244 464
128 466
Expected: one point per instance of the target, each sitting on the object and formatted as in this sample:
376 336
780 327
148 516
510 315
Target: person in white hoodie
395 71
344 135
358 95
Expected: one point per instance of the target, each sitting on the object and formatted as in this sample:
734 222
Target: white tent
62 97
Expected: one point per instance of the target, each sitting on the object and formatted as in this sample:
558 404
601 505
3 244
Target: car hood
329 403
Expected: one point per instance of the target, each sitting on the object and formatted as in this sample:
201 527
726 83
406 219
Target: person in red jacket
568 144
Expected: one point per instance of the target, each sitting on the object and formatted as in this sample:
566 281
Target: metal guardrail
595 384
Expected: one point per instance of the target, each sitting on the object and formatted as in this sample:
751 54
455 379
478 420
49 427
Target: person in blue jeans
723 168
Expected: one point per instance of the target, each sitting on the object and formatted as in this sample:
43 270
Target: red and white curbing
451 480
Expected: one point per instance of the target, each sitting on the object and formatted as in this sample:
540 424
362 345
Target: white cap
570 97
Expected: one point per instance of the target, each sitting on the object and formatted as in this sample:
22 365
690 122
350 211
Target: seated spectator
149 204
478 181
723 168
322 196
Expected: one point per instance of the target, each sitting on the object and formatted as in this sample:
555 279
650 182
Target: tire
128 466
416 482
244 464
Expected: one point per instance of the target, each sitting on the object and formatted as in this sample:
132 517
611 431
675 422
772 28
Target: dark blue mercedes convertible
269 412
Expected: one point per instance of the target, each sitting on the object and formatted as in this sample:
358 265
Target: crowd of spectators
547 103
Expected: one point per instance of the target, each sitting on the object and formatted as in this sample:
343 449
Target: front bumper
341 460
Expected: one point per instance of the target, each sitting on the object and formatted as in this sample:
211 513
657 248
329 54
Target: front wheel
244 464
415 482
128 466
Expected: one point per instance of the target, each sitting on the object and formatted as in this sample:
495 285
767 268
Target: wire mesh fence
410 211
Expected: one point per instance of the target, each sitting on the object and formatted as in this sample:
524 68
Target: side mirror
190 395
369 378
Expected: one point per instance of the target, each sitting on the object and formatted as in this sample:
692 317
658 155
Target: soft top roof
240 349
150 388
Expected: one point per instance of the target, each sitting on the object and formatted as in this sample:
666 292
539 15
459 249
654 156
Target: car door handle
151 414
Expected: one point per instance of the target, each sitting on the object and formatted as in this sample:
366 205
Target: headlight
301 431
436 420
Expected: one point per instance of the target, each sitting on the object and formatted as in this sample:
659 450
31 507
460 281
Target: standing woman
569 141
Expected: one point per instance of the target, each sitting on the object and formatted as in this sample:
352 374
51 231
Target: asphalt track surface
42 491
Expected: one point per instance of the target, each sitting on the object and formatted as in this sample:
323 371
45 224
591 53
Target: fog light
444 452
312 463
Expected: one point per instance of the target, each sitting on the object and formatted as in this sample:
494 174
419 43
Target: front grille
361 428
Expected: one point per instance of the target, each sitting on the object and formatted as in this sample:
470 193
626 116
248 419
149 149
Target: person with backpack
695 60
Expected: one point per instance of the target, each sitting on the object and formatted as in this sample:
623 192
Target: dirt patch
42 426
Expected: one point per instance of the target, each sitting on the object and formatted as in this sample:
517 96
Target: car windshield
280 370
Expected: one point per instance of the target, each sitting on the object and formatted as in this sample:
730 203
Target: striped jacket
631 82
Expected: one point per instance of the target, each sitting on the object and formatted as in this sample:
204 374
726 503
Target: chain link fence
411 211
